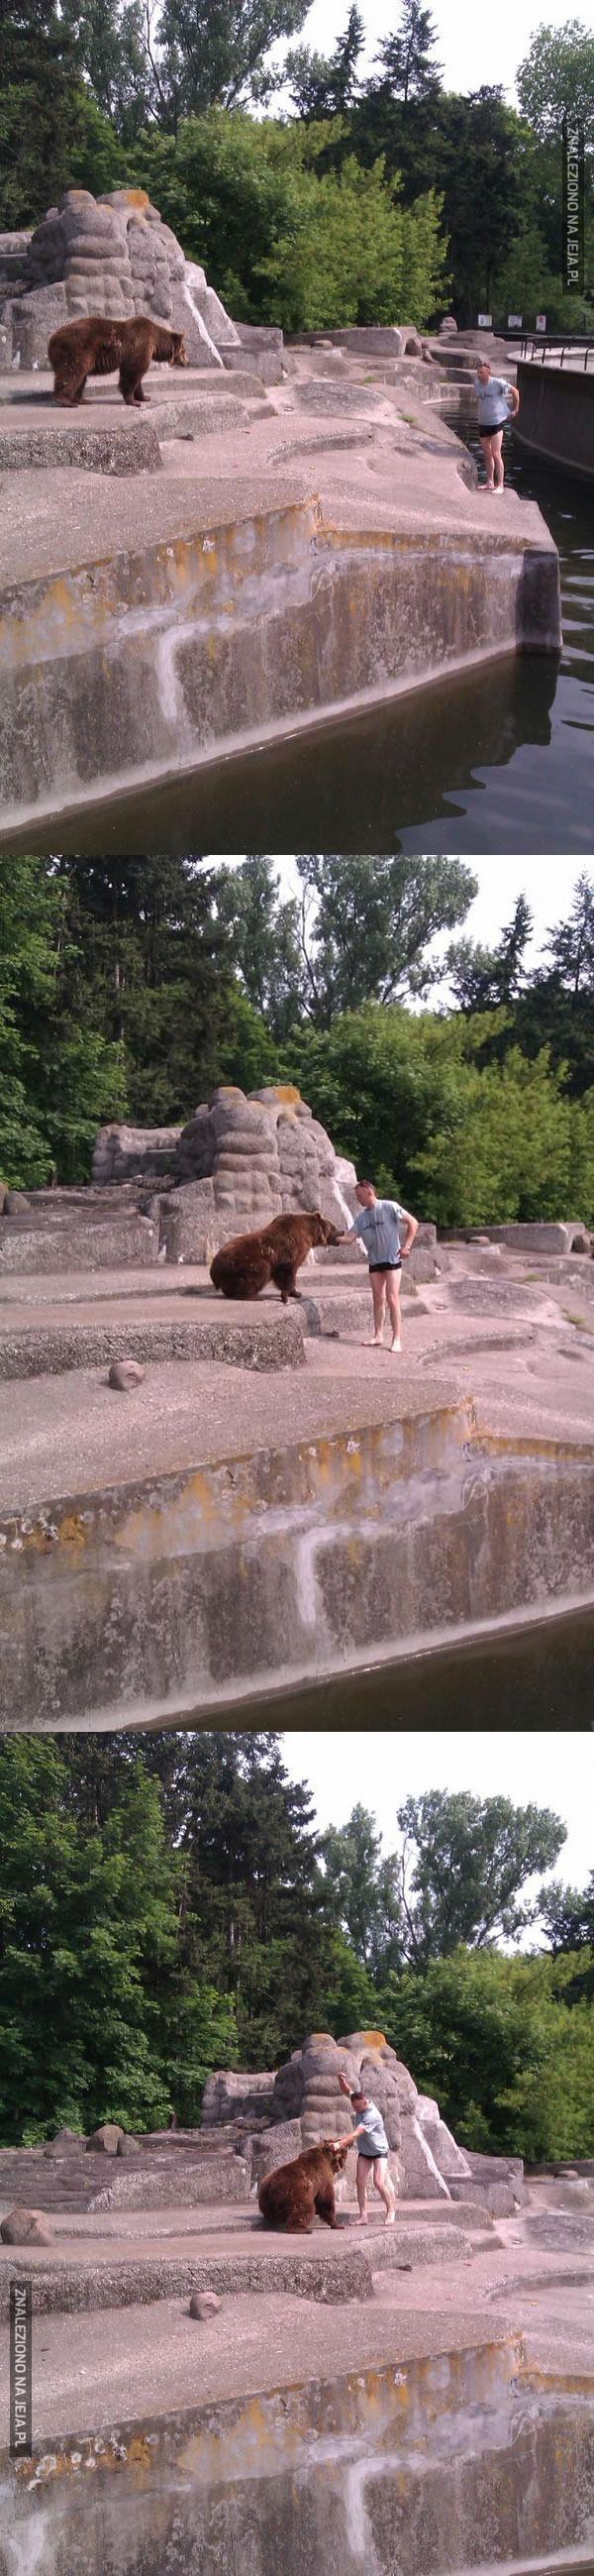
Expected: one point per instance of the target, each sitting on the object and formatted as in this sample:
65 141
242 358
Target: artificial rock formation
242 1159
307 2105
111 255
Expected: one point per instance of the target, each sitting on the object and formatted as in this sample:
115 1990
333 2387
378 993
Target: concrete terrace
278 1501
238 561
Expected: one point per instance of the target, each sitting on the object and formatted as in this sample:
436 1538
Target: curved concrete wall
193 1590
556 417
421 2467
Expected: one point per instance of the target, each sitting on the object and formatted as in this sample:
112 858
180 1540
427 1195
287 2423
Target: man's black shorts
383 1265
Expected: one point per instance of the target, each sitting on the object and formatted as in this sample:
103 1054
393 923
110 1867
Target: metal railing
562 344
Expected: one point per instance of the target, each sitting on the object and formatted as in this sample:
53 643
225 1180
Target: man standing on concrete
497 402
378 1229
370 2138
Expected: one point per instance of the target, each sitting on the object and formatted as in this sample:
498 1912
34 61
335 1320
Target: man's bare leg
378 1291
497 445
385 2187
362 2186
393 1296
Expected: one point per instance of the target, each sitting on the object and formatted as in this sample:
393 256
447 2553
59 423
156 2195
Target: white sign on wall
485 321
514 321
541 321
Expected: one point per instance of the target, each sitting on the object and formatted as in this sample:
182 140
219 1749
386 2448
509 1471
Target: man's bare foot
361 2221
374 1342
391 2218
396 1346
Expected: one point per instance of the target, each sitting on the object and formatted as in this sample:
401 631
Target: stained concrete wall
190 1590
556 417
424 2468
133 665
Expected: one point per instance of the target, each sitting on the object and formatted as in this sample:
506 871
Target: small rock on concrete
104 2141
204 2304
127 2145
26 2227
125 1374
15 1203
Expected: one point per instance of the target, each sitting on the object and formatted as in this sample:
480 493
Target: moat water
535 1676
494 759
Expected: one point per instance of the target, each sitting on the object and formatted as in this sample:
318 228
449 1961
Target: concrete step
332 2266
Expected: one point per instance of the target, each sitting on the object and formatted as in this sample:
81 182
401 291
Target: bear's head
338 2155
325 1232
179 356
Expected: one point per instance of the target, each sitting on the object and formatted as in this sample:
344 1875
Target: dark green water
496 760
539 1676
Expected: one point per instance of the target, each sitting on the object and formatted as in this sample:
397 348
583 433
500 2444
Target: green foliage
166 1907
52 132
406 58
95 2020
358 930
353 254
509 2061
557 78
284 240
323 85
462 1142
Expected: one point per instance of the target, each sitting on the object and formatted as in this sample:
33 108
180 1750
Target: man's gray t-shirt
374 2141
379 1229
493 403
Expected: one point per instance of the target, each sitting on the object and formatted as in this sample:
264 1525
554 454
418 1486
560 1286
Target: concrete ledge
50 1350
182 1592
240 606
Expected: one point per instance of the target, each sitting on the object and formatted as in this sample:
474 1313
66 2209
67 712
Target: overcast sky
381 1770
475 46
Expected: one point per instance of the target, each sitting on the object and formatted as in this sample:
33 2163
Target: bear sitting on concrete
95 346
288 2197
247 1265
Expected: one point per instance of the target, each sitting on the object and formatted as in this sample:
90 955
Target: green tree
571 944
568 1916
486 979
464 1864
352 254
556 78
52 133
324 85
406 58
110 41
96 2021
263 938
214 53
365 926
494 2040
59 1075
363 1889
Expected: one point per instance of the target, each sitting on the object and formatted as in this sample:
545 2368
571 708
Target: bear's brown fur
288 2197
95 346
247 1265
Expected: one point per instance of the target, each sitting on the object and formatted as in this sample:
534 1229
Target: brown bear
288 2197
247 1265
95 346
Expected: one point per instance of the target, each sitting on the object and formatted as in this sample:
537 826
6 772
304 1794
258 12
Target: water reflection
540 1676
497 759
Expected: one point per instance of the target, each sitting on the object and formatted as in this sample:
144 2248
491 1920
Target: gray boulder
26 2227
104 2140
